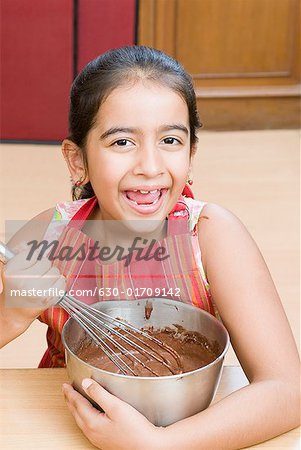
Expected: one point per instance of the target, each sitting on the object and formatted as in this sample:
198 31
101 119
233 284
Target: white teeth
145 205
147 192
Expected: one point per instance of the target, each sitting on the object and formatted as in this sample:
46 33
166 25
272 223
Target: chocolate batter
148 309
181 350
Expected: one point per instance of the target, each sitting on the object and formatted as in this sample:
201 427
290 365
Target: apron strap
179 215
79 218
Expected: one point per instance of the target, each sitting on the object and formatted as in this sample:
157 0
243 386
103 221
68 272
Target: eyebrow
174 126
167 127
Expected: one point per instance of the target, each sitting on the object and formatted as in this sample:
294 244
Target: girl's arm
247 300
14 320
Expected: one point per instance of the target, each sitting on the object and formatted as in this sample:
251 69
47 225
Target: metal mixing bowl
163 400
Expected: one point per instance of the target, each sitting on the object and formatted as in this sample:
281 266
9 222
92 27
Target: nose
149 162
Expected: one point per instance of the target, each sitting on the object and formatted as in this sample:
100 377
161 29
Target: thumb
110 404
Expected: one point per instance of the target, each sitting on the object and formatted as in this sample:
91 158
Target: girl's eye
171 140
122 143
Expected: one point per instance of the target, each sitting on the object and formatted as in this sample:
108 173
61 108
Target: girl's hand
120 427
22 288
30 286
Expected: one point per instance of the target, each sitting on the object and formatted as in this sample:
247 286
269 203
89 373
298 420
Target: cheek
179 165
105 170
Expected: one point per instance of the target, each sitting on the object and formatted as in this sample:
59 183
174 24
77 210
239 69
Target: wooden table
34 414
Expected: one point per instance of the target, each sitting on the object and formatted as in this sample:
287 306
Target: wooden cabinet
243 55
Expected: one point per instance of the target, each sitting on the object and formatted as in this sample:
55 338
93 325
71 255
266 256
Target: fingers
112 405
21 261
41 284
58 286
73 404
85 415
108 402
117 427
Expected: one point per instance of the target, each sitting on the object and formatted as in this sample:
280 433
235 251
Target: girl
133 124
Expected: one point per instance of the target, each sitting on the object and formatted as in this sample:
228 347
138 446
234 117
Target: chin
144 226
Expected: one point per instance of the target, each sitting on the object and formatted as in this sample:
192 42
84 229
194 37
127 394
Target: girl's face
138 152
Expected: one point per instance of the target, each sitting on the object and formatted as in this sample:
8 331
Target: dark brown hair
113 69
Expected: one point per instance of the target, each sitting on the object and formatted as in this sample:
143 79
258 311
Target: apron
177 276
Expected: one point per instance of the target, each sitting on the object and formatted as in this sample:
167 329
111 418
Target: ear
75 161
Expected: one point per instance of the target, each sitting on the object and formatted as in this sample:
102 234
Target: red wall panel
104 24
37 46
36 68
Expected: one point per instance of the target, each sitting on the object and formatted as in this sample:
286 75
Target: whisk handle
5 253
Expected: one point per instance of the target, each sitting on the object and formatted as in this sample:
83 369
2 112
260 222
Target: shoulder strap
68 212
195 208
178 218
79 218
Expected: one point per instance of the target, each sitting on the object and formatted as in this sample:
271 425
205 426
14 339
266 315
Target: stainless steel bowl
163 400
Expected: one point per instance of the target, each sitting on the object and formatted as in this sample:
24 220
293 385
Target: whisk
103 330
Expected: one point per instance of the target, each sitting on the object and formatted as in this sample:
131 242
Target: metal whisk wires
103 329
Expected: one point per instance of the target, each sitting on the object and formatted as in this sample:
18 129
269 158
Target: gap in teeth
146 192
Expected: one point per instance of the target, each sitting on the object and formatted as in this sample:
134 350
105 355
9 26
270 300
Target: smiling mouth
144 197
144 201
